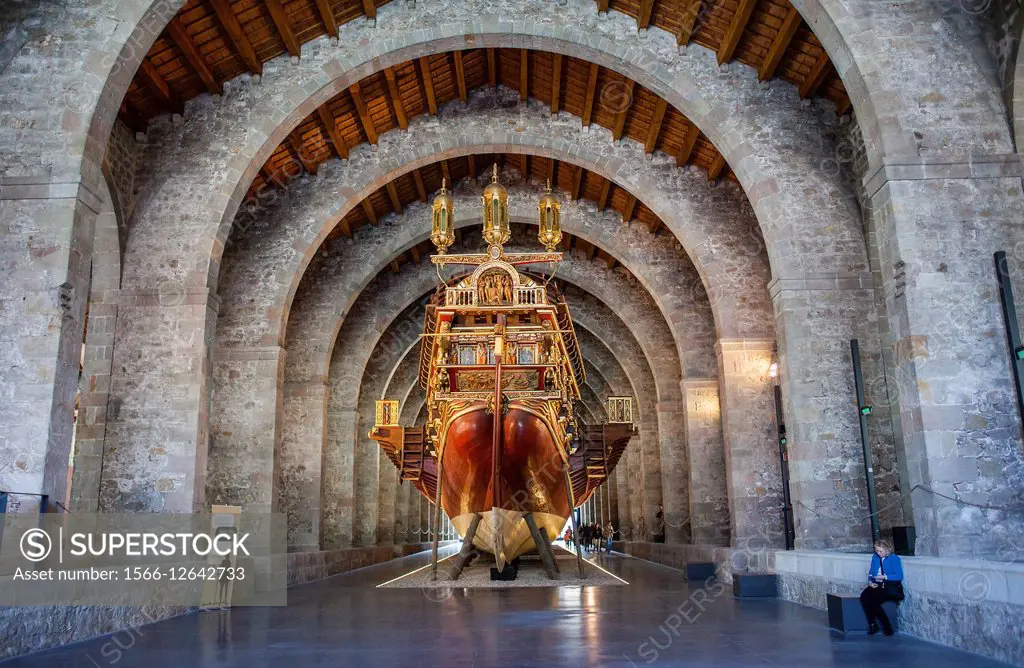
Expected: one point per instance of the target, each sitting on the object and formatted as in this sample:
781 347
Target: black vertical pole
863 409
3 511
787 502
1012 329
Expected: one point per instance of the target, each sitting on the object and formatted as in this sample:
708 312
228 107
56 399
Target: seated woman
885 583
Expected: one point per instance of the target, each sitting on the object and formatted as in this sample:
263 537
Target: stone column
304 418
401 526
650 466
709 492
753 474
938 223
47 223
367 466
625 523
157 438
246 436
675 483
612 485
412 513
637 505
816 316
387 482
337 516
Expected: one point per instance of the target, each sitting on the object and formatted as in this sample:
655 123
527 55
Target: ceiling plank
606 189
284 27
688 21
556 83
524 79
188 47
732 36
396 202
394 266
550 179
591 251
460 76
446 173
368 209
627 215
370 9
421 190
472 166
577 181
237 35
346 229
654 131
364 115
338 144
396 98
428 85
715 171
611 262
620 120
525 166
492 71
815 77
588 103
779 45
327 16
297 145
686 150
644 18
159 86
415 252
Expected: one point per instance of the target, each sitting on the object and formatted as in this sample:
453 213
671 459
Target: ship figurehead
503 451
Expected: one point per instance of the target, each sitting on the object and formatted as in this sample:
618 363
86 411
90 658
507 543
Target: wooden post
460 560
437 517
541 540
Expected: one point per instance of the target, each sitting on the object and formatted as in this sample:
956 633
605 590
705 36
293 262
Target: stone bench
846 615
699 571
754 585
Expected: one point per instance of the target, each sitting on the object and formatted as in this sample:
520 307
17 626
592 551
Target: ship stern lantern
550 220
442 221
495 203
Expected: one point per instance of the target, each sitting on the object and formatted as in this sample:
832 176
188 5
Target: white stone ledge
819 282
973 580
914 168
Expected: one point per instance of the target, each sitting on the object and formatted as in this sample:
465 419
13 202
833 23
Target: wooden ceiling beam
159 85
602 199
299 147
643 20
717 165
396 98
556 83
415 252
460 76
237 36
591 252
686 150
654 131
620 120
524 164
472 166
688 21
627 215
602 6
368 209
735 32
396 202
428 85
447 174
844 105
181 38
395 266
492 69
328 18
284 28
588 102
131 117
370 9
364 115
550 178
331 126
524 78
779 45
566 241
577 182
656 227
346 229
611 262
815 77
421 189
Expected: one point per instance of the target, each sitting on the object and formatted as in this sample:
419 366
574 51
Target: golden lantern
550 220
495 201
442 220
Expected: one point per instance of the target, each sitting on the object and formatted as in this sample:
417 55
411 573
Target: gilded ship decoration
508 479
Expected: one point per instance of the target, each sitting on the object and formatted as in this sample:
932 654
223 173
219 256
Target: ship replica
503 451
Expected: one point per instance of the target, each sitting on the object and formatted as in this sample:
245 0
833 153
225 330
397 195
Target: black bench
754 585
846 615
699 571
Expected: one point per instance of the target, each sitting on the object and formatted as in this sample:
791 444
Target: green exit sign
865 410
1020 353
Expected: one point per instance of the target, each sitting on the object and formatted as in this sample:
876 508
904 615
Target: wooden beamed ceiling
212 41
569 180
387 100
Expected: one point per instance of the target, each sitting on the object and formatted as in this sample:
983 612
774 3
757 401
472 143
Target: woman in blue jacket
885 583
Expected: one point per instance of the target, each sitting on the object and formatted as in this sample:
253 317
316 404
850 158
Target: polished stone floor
346 621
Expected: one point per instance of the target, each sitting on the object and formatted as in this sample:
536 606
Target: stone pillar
387 483
401 527
637 502
650 467
709 492
157 435
938 223
47 223
367 466
625 515
304 418
675 483
412 513
753 474
337 509
816 316
612 485
246 436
